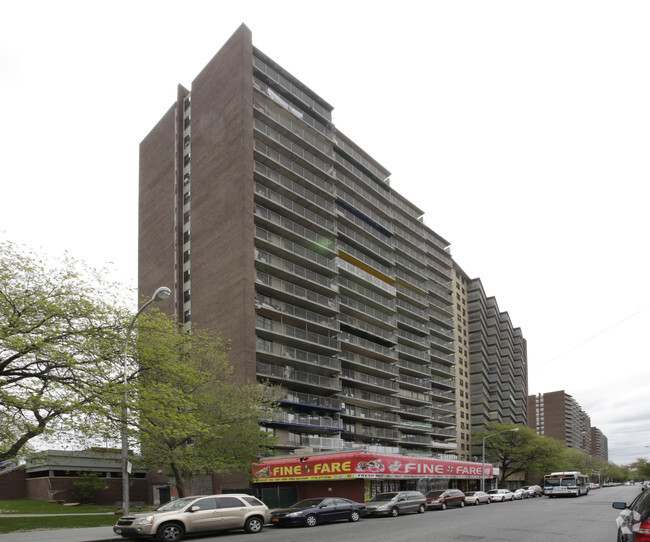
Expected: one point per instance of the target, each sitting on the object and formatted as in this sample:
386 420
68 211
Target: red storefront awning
363 464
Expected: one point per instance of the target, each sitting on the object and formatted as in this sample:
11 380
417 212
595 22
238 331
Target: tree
640 469
522 451
194 417
60 337
87 485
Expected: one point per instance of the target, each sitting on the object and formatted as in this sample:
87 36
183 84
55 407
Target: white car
500 495
477 497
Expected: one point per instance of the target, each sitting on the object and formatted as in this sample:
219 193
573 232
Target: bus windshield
553 482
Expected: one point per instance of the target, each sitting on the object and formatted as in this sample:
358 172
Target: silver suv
396 503
172 520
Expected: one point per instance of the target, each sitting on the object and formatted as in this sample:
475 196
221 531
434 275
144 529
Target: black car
311 512
633 523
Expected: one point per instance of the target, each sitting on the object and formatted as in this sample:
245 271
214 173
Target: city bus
566 484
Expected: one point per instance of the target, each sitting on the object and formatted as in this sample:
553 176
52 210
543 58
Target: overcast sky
521 128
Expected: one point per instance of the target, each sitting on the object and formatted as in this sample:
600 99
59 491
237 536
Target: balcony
366 311
366 327
362 380
285 204
306 420
288 375
274 306
370 400
301 337
317 443
386 370
297 233
289 270
370 415
357 343
269 349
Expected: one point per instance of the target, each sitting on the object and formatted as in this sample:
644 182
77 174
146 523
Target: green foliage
59 342
195 417
86 485
640 469
522 451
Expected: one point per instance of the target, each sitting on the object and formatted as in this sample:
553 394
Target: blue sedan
311 512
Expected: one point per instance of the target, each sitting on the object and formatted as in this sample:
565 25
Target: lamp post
484 439
160 294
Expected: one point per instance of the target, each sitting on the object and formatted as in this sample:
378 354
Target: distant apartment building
279 232
558 415
498 363
599 444
463 403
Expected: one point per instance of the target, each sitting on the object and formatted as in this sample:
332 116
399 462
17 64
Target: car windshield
177 504
384 497
493 492
307 503
472 494
435 493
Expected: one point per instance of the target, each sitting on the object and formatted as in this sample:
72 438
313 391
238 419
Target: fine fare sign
349 466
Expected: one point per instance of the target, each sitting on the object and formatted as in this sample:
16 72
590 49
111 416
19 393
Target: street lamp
484 439
160 294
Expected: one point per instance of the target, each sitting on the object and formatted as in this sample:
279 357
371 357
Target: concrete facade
498 363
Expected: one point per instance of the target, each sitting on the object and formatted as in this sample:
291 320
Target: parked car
311 512
171 521
500 495
633 523
534 491
477 497
444 498
395 503
520 494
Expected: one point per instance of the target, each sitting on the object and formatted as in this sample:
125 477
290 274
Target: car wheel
421 509
394 511
354 516
462 504
254 524
476 502
311 520
443 506
170 532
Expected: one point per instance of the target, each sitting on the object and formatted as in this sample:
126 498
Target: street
590 518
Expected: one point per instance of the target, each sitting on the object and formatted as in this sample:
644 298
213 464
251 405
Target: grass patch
31 506
10 525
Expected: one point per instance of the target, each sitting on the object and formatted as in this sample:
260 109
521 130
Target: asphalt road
590 518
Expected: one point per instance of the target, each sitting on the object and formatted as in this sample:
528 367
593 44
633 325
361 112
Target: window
206 504
186 296
186 276
229 502
253 501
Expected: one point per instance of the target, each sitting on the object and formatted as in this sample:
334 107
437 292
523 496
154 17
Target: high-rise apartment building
282 234
599 444
558 415
461 327
498 363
